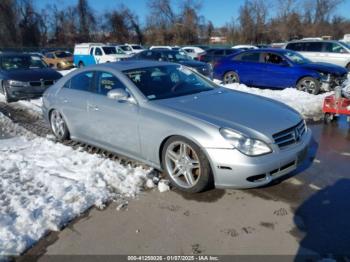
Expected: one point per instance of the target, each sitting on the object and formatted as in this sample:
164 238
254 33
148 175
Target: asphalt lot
306 214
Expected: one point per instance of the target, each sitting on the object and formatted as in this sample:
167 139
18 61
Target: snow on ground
45 184
308 105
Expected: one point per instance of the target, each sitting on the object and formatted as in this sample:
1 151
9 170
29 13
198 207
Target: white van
328 51
96 53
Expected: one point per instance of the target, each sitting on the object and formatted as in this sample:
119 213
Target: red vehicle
333 107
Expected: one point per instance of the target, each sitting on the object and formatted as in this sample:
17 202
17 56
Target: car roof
313 40
131 64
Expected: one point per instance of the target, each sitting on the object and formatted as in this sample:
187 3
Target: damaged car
279 69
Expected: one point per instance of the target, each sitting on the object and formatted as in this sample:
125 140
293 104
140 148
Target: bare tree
87 21
8 23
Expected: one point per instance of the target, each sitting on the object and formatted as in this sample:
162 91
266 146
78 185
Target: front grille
44 83
290 136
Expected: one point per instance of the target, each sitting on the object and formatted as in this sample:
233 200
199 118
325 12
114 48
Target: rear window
295 46
313 47
249 57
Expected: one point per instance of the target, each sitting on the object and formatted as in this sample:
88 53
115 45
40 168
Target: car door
98 55
249 68
114 124
73 99
313 51
335 53
277 72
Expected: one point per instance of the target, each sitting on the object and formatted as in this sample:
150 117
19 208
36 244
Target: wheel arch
161 147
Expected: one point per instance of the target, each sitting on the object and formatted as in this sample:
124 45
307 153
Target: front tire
231 77
186 165
6 95
309 85
58 126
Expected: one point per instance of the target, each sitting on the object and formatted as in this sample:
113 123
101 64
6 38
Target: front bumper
232 169
28 92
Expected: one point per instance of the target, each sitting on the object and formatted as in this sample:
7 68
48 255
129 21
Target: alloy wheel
308 85
231 78
182 164
58 125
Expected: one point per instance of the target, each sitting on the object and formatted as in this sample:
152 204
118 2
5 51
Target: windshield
136 47
176 56
109 50
22 62
63 54
168 81
345 44
125 48
120 51
296 58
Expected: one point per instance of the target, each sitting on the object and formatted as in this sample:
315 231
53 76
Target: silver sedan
179 122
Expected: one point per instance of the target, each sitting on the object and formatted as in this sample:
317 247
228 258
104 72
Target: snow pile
46 184
308 105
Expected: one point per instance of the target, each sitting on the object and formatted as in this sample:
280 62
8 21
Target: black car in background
213 55
24 76
179 57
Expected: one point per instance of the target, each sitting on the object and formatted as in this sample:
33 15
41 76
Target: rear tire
81 64
231 77
186 165
348 67
58 126
309 85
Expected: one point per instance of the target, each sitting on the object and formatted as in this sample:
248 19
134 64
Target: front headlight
17 83
246 145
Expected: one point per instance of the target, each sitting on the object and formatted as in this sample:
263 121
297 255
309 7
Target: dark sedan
213 55
24 76
179 57
279 68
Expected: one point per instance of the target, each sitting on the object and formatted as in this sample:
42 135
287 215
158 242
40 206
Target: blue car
278 69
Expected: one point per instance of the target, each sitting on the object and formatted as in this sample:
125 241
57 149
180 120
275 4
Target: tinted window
50 56
334 48
313 47
63 54
219 52
110 50
250 57
189 50
295 46
82 81
22 62
91 51
270 58
229 51
107 82
98 51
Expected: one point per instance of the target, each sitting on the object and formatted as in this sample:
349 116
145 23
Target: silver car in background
179 122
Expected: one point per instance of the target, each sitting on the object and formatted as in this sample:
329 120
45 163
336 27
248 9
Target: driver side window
270 58
98 51
107 82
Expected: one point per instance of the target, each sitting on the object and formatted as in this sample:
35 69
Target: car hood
247 113
26 75
326 68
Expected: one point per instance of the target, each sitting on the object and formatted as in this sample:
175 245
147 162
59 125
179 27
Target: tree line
22 24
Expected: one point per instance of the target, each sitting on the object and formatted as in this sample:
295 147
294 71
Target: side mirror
118 94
